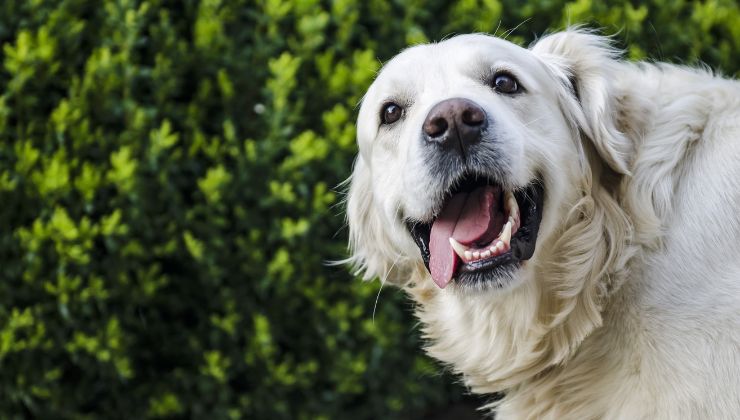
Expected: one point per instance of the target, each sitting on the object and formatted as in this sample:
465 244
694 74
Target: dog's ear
372 250
586 65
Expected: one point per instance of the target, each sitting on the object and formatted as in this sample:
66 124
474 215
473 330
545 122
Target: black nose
455 124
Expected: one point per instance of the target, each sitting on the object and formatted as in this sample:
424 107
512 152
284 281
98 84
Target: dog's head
481 180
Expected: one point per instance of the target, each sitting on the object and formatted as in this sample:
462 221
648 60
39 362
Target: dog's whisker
528 123
382 283
497 27
510 31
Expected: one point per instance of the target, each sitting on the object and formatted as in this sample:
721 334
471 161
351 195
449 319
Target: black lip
523 243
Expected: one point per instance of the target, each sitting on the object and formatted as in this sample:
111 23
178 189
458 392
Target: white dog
568 223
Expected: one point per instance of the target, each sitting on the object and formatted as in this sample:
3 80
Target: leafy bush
169 198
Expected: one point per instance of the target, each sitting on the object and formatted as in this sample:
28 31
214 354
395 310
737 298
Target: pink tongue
467 217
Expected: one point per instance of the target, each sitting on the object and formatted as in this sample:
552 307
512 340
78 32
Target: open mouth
482 232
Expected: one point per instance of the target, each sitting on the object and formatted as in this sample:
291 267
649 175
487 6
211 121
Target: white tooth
476 255
485 254
506 234
459 248
513 223
493 249
499 246
468 255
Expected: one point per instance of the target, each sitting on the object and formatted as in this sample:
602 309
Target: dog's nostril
435 127
473 116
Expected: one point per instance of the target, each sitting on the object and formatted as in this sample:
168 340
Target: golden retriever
567 222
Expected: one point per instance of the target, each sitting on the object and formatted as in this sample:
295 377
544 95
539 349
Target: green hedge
168 190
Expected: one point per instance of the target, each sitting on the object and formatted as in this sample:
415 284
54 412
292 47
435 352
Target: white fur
630 306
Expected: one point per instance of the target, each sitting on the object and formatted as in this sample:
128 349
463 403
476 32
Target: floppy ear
587 64
372 251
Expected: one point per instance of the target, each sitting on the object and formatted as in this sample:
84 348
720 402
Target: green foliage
168 178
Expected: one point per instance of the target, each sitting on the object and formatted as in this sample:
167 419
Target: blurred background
169 198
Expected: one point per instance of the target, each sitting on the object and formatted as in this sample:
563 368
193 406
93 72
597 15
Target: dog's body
629 305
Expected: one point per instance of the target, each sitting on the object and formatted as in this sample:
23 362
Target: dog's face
480 186
469 153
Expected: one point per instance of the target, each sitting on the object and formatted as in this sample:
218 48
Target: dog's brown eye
505 83
391 113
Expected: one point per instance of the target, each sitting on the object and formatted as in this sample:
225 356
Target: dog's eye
505 83
391 113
